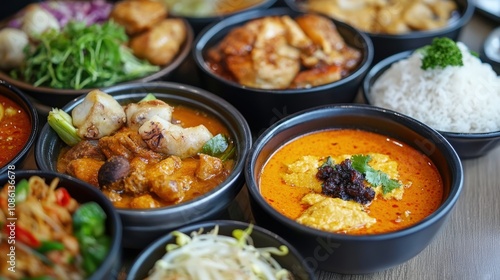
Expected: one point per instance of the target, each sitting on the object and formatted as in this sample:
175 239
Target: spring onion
62 124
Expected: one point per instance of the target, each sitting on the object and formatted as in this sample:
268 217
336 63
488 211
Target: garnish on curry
351 181
145 154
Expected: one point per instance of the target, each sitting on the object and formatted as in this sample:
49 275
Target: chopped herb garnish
373 176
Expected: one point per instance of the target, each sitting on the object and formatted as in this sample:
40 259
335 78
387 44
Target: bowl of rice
220 249
460 102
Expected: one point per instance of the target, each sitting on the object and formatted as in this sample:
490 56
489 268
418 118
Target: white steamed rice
454 99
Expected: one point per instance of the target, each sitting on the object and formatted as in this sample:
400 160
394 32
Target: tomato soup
423 186
15 129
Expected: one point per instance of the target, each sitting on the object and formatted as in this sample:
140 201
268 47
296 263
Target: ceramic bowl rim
442 211
211 30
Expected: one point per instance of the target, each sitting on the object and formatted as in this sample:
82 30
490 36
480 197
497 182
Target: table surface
468 247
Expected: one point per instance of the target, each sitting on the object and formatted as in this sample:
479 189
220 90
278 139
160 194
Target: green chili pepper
22 190
47 246
89 218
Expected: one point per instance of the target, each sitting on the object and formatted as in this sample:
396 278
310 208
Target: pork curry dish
145 154
351 181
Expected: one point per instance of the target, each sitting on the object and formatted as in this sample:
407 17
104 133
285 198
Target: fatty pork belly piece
128 143
164 137
138 113
98 115
83 149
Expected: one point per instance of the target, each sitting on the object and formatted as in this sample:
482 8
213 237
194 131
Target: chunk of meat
98 115
317 76
322 32
129 144
144 202
83 149
209 167
136 182
171 139
161 181
138 15
138 113
272 62
161 43
85 169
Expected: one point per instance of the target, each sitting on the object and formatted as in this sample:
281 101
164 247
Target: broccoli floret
440 53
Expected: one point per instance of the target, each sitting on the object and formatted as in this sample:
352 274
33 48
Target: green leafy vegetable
62 123
89 227
373 176
22 190
219 146
440 53
82 56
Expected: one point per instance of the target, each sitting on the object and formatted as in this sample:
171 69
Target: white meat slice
98 115
165 137
138 113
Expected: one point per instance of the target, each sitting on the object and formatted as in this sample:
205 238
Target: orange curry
15 129
420 199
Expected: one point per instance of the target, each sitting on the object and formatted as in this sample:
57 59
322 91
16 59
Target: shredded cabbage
213 256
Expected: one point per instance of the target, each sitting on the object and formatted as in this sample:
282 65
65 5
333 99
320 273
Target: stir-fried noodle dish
53 236
214 256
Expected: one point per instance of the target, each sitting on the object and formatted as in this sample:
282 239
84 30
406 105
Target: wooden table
468 247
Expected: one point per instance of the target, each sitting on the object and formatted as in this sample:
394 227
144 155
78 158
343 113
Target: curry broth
14 130
421 199
186 117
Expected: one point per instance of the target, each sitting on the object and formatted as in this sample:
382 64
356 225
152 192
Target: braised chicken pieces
279 52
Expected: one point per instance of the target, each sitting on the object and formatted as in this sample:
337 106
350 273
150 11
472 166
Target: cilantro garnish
373 176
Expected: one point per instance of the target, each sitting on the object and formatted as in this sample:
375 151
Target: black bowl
54 97
355 254
386 44
261 237
14 94
200 22
467 145
143 226
263 107
83 192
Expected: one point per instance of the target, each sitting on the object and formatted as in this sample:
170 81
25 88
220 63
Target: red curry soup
351 181
15 129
